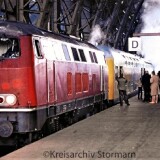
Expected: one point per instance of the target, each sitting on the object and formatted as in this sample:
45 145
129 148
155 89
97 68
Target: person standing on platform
122 82
158 74
146 86
154 87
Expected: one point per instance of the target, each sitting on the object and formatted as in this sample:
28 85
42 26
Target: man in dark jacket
146 86
122 82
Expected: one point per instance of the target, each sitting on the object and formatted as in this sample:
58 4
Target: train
48 80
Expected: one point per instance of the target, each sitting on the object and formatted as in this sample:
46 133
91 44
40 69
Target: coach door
118 70
116 93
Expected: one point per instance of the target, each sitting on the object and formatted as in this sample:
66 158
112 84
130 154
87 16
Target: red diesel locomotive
46 80
49 80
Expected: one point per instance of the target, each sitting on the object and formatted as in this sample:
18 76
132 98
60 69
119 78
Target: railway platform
127 132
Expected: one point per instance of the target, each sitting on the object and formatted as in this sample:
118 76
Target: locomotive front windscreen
9 48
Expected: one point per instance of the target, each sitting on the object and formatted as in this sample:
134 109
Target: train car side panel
28 58
51 82
40 71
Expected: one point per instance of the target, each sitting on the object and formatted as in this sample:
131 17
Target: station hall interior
109 22
127 27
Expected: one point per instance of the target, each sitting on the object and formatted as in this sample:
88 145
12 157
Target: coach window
83 58
9 48
75 54
66 53
38 49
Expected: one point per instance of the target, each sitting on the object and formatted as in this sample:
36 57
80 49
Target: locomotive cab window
9 48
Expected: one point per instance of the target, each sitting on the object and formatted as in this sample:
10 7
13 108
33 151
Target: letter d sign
134 44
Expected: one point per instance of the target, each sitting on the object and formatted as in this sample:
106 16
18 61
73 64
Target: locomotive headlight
11 99
7 99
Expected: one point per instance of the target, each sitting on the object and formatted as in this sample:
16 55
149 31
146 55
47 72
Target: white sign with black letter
134 44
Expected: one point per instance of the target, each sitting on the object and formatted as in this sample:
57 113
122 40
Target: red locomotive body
46 80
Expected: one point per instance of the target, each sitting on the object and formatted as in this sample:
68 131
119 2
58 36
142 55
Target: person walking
122 90
154 87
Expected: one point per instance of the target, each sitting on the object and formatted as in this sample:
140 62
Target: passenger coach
132 66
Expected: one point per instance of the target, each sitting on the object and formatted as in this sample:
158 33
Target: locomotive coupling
6 129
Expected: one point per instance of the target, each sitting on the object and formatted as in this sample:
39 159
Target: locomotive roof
16 29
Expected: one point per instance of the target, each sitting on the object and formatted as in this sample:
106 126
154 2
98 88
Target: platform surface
117 133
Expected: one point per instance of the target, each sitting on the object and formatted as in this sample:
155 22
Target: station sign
134 44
